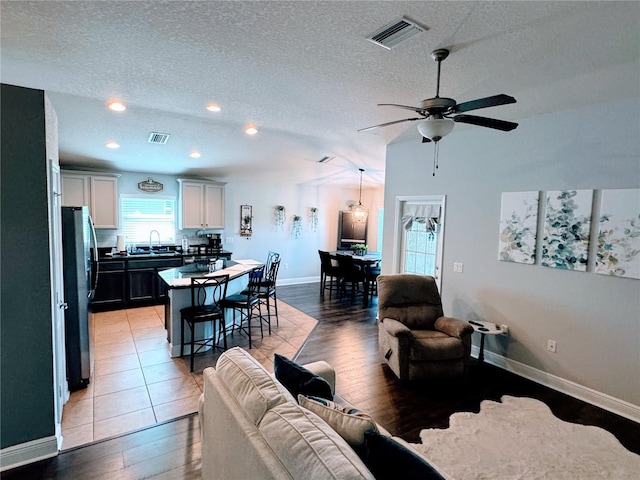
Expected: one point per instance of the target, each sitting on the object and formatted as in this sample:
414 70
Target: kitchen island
178 282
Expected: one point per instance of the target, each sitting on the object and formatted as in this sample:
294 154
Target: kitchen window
140 215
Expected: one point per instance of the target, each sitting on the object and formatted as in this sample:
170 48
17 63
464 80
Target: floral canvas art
566 229
518 222
619 234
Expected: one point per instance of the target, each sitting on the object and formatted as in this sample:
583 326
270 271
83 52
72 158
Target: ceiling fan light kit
438 115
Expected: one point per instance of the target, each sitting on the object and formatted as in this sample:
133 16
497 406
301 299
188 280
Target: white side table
484 329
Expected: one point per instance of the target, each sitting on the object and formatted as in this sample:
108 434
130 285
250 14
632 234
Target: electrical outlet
505 329
457 267
551 346
229 240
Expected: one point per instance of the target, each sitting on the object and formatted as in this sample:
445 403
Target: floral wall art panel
566 229
518 224
619 234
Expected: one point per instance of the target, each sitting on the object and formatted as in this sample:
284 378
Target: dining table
366 261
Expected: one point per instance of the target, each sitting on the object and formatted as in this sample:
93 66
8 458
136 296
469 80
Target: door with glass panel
420 227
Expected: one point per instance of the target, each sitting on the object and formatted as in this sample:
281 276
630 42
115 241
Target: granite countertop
180 277
162 254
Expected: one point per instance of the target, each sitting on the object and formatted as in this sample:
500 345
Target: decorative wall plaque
150 186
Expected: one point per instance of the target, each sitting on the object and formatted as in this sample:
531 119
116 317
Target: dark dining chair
350 274
245 303
329 273
206 294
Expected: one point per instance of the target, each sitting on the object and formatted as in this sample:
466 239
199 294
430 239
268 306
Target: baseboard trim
589 395
28 452
298 280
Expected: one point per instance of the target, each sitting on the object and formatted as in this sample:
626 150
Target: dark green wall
26 366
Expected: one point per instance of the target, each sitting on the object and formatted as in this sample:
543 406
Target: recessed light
251 130
195 154
117 106
112 145
213 107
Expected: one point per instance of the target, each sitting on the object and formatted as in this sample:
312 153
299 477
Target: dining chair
206 294
349 273
329 273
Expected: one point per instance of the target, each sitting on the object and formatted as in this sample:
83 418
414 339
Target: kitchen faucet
151 235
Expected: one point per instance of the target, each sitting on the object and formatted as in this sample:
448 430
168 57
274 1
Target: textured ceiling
303 73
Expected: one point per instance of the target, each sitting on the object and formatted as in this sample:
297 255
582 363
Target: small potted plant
296 226
279 216
359 249
313 219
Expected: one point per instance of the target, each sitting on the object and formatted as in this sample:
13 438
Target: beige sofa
253 428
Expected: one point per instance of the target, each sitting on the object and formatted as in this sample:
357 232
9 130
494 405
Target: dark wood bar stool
245 303
206 293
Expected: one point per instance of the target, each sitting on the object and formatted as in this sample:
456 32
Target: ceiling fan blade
390 123
419 110
494 101
426 140
486 122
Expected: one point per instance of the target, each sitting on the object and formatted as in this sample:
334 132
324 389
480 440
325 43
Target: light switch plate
457 267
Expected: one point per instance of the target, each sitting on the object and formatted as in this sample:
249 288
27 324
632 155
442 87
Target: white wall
300 261
594 319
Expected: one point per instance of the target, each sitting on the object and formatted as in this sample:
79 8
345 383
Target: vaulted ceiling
303 73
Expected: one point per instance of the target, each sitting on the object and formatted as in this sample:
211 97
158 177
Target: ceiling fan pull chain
436 148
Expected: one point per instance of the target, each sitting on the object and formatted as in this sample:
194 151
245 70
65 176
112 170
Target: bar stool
245 303
206 293
267 291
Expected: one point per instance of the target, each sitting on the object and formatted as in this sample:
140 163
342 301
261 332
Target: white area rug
521 439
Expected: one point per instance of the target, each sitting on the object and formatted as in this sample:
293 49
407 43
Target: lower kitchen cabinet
132 282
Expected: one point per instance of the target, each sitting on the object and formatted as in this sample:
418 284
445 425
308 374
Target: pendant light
359 212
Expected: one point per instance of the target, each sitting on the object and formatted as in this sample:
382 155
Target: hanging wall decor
619 234
279 216
566 229
518 224
296 226
313 219
246 220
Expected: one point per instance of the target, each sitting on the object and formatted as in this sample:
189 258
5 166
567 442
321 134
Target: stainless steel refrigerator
80 257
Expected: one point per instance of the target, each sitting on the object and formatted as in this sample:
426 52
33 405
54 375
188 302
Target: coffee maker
215 242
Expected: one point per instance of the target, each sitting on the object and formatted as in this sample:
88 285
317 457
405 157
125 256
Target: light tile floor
136 383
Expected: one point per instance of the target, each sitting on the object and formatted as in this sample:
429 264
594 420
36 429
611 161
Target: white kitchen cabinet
99 192
201 204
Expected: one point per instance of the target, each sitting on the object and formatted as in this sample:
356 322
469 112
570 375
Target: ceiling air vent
395 33
325 159
160 138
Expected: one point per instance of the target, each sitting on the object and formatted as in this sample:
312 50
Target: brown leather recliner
415 338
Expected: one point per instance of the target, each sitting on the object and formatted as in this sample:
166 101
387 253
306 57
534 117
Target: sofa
253 427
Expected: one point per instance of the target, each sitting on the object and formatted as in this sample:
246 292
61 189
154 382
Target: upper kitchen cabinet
99 192
201 204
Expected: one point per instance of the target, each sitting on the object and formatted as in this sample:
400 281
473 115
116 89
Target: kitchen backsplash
108 237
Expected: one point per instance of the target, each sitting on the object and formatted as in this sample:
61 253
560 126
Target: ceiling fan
438 114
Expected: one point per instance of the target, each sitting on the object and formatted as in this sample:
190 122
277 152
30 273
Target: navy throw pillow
390 460
299 380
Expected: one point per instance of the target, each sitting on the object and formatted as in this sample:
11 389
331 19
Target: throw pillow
298 380
350 423
389 460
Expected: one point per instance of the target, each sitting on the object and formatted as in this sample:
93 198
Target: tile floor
136 383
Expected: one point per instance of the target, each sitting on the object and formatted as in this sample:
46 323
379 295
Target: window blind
140 215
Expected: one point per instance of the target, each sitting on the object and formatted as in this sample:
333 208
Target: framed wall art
518 224
619 233
567 222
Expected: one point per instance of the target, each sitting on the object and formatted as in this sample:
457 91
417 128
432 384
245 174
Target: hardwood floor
346 337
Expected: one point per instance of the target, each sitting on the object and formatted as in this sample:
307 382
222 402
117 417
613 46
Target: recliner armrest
395 328
453 327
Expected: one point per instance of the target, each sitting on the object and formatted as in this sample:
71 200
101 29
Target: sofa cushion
298 380
252 386
308 447
434 346
389 460
350 423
